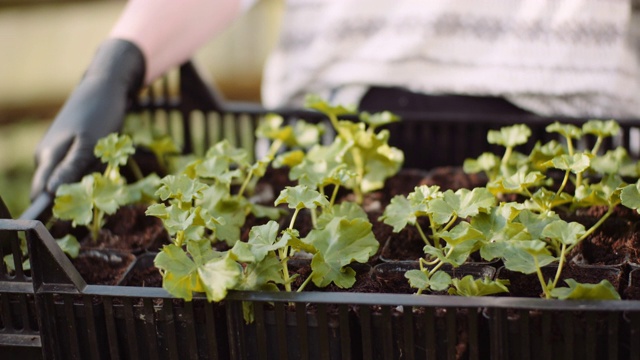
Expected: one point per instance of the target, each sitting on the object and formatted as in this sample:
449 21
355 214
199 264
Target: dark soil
130 229
632 292
144 277
453 178
102 267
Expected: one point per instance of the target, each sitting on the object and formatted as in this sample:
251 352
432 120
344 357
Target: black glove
95 109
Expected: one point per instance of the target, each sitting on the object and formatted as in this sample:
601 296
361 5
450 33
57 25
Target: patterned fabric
552 57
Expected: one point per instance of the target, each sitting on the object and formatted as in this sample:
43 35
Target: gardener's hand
95 109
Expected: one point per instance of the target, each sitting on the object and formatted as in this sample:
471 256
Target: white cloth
552 57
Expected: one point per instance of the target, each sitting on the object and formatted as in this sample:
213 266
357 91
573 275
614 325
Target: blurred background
45 45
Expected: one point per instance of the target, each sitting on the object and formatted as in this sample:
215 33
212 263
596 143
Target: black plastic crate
71 319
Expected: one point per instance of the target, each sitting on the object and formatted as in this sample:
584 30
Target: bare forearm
170 31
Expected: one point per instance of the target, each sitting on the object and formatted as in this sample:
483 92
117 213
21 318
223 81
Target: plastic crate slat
92 336
429 322
345 332
364 315
149 322
72 329
303 333
130 329
192 341
613 335
261 332
212 331
323 331
167 316
409 336
111 332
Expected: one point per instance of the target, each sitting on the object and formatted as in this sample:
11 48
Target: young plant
97 195
451 239
526 242
366 151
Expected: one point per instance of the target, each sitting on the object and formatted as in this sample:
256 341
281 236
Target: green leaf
417 279
301 197
468 286
518 182
74 202
566 130
398 213
544 200
70 245
630 196
576 291
564 232
509 136
461 233
486 163
264 238
234 155
463 203
536 223
181 188
218 276
215 167
179 272
114 149
378 119
601 128
526 256
454 255
340 243
262 275
440 281
108 195
144 189
606 192
576 163
289 159
616 161
315 102
201 252
233 213
261 211
348 210
540 155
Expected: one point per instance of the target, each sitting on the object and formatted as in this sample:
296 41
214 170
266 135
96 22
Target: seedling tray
50 308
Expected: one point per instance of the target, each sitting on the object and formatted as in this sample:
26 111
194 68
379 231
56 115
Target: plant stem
560 266
135 168
334 194
293 218
434 231
596 146
570 146
314 218
506 156
422 234
450 223
245 183
359 163
594 227
547 294
96 224
563 184
179 238
304 284
284 255
273 149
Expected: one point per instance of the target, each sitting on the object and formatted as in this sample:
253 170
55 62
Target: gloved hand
95 109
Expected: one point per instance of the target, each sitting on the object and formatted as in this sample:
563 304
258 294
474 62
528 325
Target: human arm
150 37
